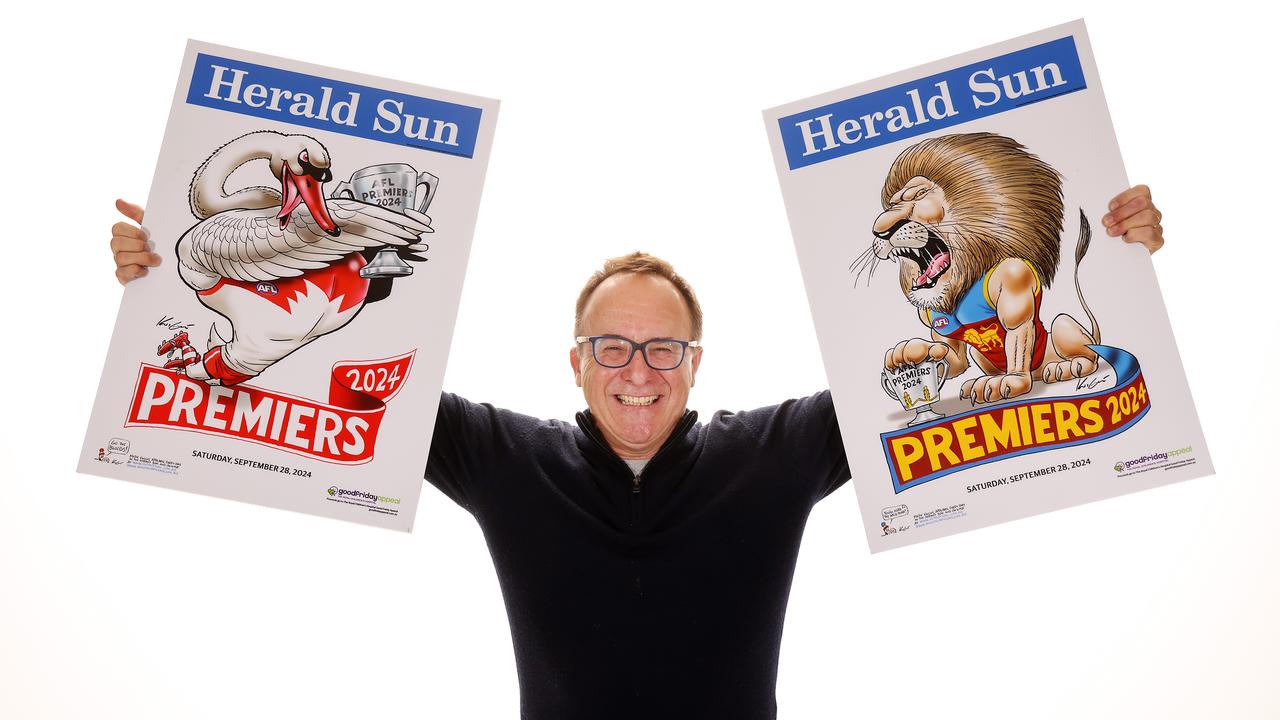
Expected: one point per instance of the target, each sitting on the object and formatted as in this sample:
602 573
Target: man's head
638 297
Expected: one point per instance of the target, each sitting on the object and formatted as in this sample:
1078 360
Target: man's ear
695 360
577 369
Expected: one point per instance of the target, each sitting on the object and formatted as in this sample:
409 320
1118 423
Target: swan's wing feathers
251 246
407 225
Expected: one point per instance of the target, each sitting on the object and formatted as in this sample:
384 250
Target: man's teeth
638 399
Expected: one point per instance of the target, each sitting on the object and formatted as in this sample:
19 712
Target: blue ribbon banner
919 453
939 101
325 104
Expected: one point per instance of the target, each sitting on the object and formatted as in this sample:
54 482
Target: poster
314 227
993 353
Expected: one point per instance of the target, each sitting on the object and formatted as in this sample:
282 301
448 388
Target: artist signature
174 324
1089 383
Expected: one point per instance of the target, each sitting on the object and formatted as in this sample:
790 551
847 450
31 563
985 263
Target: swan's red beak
298 189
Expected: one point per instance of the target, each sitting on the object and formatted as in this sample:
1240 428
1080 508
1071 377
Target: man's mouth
933 259
637 400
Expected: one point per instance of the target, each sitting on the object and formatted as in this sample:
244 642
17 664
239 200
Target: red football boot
177 341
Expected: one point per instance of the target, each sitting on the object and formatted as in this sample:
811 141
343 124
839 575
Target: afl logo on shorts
938 323
266 288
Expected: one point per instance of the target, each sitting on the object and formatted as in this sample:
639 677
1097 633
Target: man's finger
129 210
147 259
130 272
124 243
1127 195
1145 218
125 229
1150 237
121 243
1127 210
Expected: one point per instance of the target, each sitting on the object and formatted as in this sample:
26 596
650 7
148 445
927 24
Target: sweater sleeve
460 448
811 424
802 435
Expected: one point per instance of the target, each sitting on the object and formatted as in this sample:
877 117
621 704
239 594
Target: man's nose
637 371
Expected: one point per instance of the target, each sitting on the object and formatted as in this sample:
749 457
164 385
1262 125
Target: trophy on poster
917 387
395 186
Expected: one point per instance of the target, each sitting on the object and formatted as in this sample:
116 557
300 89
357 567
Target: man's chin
636 431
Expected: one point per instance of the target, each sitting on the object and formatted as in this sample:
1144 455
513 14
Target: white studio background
621 129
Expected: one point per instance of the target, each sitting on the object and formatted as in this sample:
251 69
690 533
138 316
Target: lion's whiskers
864 262
861 257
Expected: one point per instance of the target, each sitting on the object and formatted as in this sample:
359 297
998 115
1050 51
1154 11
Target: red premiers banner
344 430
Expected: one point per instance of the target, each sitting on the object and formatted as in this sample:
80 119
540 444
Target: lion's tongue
936 266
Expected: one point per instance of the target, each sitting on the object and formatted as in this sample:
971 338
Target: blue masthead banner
949 98
333 105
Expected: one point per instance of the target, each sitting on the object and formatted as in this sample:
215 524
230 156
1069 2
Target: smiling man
636 390
645 558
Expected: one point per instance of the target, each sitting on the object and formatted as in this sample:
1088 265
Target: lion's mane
1003 201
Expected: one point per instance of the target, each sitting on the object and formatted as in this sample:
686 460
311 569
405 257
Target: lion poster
989 357
314 227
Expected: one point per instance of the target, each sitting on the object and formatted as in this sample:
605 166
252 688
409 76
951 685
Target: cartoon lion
974 222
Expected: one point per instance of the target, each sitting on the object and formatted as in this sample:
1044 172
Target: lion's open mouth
934 259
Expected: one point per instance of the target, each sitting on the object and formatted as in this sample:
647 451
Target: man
645 558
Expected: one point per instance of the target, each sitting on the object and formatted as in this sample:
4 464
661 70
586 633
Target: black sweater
658 596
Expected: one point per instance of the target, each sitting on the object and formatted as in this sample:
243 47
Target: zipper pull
635 485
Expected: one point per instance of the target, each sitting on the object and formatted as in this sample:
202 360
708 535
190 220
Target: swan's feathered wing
250 245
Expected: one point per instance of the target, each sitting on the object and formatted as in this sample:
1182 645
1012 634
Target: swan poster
314 227
992 352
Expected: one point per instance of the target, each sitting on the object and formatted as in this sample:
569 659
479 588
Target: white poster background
831 206
417 317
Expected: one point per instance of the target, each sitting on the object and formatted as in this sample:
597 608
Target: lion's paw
990 388
1069 369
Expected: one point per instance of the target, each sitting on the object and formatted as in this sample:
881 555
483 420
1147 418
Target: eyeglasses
613 351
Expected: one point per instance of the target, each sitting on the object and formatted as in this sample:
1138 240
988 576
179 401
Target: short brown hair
640 263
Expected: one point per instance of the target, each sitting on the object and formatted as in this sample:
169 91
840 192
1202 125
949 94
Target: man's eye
612 351
662 350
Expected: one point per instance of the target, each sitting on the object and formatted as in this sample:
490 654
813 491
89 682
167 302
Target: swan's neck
209 194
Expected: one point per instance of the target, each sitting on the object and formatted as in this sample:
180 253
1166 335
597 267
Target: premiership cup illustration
395 186
917 387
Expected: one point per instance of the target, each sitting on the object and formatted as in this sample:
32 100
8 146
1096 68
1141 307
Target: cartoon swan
282 266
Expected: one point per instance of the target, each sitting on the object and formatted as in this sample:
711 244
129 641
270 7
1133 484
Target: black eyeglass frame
643 347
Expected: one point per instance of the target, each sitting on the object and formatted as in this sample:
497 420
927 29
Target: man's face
639 307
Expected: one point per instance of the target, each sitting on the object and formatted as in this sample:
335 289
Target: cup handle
884 383
343 187
946 368
431 182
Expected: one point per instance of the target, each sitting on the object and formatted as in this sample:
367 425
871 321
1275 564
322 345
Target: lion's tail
1082 247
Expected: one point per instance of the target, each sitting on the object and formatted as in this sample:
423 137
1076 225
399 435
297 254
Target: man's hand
130 246
1133 215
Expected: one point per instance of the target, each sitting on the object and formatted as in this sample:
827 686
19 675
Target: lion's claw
1069 369
990 388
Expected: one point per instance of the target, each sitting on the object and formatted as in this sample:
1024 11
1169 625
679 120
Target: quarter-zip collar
633 492
587 424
